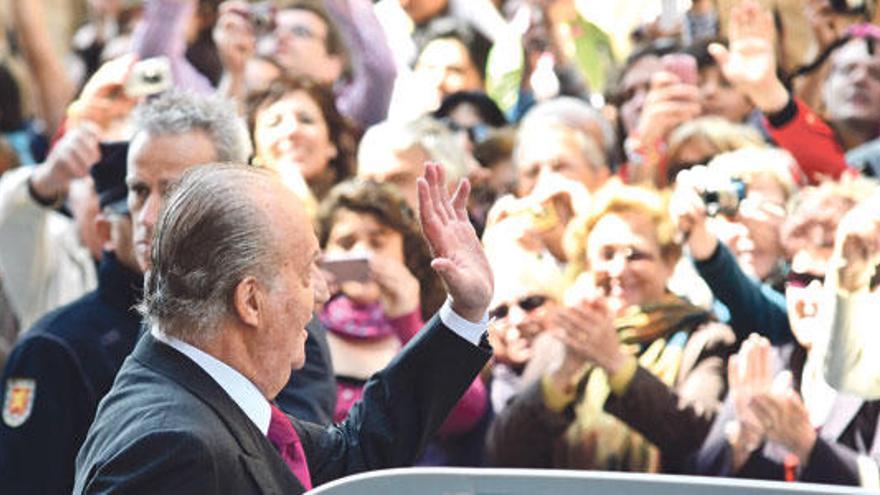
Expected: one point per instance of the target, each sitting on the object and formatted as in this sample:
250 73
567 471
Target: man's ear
249 301
102 229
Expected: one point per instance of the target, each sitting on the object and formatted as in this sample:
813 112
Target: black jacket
65 363
168 427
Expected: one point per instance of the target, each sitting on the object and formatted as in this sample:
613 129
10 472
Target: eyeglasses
476 133
527 304
802 280
298 31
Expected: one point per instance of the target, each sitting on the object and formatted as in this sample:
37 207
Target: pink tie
283 436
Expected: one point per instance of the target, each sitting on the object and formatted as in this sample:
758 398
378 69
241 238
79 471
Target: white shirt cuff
468 330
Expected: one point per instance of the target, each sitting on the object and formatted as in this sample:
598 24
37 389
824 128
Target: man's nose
149 214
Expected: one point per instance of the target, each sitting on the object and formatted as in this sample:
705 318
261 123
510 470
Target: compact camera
724 197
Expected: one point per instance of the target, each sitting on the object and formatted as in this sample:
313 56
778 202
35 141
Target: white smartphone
345 268
148 77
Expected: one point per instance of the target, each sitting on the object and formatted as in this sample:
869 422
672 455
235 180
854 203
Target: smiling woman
643 368
295 123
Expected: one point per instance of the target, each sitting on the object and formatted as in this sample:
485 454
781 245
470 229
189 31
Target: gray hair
210 235
427 133
179 111
588 146
576 113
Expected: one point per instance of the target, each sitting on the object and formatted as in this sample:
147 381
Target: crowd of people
511 241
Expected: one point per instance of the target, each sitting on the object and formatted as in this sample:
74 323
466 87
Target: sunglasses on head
527 304
802 280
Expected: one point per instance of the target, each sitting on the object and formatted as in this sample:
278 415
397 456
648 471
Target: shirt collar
241 390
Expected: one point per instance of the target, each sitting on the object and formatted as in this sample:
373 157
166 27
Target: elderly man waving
232 286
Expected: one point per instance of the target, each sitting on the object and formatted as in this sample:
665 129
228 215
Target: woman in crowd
805 430
370 319
643 371
295 124
738 251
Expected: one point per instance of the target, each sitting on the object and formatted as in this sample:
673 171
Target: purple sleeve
162 32
366 96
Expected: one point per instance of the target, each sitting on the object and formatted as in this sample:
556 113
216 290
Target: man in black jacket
231 282
62 367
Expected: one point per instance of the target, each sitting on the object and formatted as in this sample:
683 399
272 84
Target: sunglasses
527 304
802 280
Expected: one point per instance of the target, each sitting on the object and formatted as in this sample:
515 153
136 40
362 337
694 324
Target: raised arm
54 88
750 64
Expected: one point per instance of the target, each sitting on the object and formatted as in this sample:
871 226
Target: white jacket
43 264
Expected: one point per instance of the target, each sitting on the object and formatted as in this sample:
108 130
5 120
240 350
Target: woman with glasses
642 372
737 249
793 425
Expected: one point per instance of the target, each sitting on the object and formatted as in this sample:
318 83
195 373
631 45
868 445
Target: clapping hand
588 331
785 418
458 255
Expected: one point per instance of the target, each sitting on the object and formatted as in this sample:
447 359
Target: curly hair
616 197
343 133
389 208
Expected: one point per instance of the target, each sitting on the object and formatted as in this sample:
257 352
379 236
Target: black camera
848 6
724 198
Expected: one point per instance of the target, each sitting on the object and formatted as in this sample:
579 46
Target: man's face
299 45
852 89
154 164
719 97
635 86
297 288
553 150
402 168
447 64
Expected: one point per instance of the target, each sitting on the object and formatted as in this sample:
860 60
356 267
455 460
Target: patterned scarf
343 316
656 333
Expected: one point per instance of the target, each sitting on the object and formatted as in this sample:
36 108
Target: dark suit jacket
168 427
850 430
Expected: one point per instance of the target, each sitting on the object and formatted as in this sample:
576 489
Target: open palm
458 255
750 62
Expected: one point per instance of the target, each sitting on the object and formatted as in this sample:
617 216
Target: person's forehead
548 144
444 51
392 162
641 71
296 100
167 157
856 51
301 17
621 228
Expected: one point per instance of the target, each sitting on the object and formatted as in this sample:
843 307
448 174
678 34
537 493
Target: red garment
284 438
812 142
466 414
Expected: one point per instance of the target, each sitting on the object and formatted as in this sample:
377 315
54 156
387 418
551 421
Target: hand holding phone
149 77
682 65
346 267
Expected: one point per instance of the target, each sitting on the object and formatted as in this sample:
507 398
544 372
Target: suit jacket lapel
260 457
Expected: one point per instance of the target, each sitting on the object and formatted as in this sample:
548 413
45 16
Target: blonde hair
720 133
749 163
615 197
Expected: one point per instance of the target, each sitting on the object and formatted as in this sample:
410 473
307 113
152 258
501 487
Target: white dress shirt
249 398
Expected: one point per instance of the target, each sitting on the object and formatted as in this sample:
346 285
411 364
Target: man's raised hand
458 255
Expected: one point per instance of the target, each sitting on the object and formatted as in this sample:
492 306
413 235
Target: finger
427 215
734 380
460 199
720 53
443 191
432 171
